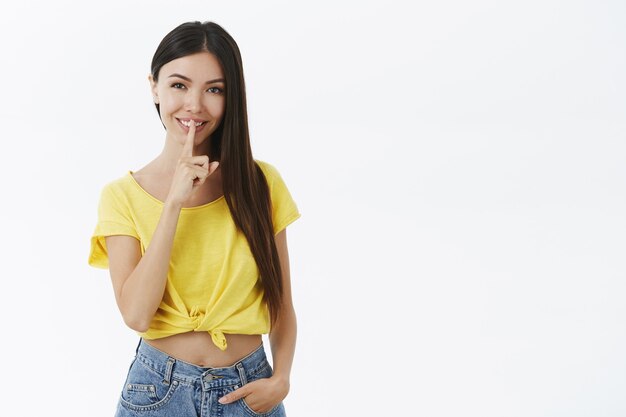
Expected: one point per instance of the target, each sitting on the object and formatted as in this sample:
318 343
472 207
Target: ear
153 89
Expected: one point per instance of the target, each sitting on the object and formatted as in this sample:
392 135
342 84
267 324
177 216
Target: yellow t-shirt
213 281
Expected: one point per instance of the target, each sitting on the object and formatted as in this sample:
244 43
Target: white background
459 167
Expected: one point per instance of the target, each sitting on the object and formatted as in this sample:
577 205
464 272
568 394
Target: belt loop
242 373
168 370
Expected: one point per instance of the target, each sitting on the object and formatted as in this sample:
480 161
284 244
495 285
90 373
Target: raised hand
191 171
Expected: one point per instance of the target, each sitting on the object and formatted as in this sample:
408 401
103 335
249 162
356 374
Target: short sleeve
113 219
284 208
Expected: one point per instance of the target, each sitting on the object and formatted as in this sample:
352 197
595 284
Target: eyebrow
189 79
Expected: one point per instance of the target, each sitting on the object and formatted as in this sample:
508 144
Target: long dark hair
245 188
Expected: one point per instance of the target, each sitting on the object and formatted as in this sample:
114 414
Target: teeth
188 123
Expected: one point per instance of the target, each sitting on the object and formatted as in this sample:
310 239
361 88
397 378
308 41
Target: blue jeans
160 385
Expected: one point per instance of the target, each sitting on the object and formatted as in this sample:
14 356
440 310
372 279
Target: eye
175 84
219 90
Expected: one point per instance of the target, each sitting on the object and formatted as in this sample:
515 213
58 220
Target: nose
193 102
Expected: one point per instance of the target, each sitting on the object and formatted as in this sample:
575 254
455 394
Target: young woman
195 242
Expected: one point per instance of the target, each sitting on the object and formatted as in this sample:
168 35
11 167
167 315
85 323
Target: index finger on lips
188 146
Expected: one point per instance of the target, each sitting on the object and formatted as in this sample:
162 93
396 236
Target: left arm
283 334
265 393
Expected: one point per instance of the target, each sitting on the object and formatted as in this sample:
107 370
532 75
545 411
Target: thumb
213 166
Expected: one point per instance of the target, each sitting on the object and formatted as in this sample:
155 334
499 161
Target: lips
186 123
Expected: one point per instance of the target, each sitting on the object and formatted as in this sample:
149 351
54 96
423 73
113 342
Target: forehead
200 67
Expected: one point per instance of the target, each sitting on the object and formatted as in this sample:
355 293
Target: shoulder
117 186
265 166
268 169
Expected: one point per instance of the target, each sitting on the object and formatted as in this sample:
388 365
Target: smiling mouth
188 123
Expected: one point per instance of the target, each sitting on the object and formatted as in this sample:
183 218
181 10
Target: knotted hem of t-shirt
218 338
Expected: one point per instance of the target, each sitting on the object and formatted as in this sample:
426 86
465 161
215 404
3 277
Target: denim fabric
160 385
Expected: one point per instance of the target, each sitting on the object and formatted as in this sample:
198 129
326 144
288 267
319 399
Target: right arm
139 281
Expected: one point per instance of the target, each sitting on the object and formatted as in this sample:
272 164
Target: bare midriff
198 348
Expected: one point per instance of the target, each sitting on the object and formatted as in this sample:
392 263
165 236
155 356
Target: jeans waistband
171 368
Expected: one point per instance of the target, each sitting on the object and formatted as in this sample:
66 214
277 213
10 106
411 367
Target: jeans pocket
264 372
144 388
270 413
141 394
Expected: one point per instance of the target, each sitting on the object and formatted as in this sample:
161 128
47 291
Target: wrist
281 379
170 205
281 384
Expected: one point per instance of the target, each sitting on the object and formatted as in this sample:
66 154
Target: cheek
168 103
216 108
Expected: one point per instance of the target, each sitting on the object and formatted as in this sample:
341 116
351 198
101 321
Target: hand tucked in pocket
261 395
